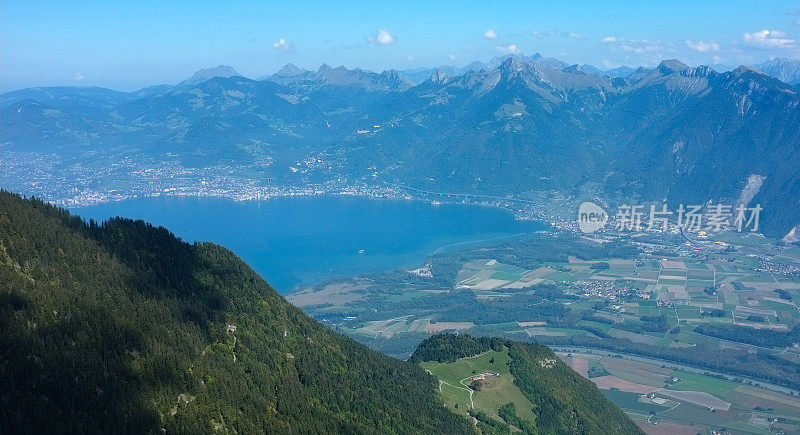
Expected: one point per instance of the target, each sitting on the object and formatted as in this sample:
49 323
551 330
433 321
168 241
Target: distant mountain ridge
785 70
207 74
516 125
293 76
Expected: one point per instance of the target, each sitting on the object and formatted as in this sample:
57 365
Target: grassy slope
496 391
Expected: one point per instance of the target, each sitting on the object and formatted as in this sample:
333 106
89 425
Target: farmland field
646 392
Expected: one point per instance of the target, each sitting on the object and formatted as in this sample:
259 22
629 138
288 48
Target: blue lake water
300 241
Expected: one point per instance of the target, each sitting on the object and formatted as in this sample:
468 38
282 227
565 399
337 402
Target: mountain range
513 126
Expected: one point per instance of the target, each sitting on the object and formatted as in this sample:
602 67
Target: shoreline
266 193
432 243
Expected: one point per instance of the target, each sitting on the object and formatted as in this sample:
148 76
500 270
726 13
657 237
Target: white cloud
769 39
490 34
702 46
282 44
640 46
574 35
381 37
636 46
511 48
409 58
539 35
452 57
78 76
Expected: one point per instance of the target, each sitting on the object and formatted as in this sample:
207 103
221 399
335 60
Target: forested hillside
563 401
124 327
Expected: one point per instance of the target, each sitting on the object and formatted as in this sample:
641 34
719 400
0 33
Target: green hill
527 387
122 327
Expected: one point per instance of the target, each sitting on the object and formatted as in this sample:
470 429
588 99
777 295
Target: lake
306 240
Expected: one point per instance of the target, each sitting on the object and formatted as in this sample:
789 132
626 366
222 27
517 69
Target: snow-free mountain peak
207 74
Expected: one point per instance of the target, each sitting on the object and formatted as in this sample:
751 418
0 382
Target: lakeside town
75 185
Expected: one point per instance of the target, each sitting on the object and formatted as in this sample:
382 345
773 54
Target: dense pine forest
122 327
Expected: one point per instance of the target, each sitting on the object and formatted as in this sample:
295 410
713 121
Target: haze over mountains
784 70
507 127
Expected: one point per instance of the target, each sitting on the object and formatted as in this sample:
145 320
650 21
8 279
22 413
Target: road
469 390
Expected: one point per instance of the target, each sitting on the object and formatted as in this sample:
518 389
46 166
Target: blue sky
131 44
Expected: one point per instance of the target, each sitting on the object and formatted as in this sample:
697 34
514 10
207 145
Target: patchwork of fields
687 402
